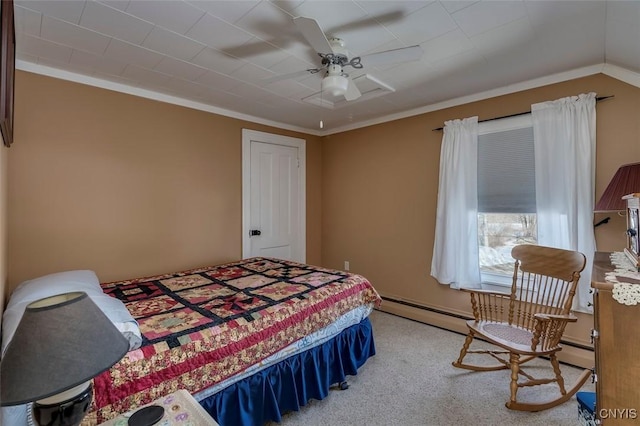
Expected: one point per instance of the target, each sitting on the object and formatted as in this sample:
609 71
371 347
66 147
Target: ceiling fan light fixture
336 85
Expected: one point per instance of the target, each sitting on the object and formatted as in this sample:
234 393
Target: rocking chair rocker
529 322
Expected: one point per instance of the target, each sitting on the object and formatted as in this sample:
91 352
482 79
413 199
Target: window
506 195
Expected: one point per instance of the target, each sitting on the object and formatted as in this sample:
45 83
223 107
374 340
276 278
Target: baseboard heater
466 318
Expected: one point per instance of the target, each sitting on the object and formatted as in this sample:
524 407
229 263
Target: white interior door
273 196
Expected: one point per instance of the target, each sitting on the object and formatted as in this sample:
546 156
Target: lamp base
68 411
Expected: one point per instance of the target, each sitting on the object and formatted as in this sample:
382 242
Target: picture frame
7 70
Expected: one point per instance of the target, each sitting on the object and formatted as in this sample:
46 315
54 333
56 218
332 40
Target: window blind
506 174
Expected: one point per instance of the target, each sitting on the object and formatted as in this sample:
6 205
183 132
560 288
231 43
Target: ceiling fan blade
296 74
352 92
313 34
403 54
370 21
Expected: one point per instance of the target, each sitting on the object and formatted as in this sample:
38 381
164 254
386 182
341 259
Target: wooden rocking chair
528 322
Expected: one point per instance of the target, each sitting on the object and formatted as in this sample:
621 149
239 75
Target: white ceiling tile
230 10
218 81
42 48
394 44
266 21
74 36
623 44
289 65
276 101
114 23
514 63
96 62
287 5
250 91
27 21
172 44
176 16
382 8
251 73
133 54
427 23
455 5
312 81
144 74
217 61
450 65
180 69
223 99
576 43
289 88
20 56
302 51
325 13
116 4
546 12
184 88
404 76
216 33
623 11
511 36
260 53
67 10
445 46
485 15
63 65
362 40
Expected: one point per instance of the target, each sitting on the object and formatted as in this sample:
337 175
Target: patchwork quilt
205 325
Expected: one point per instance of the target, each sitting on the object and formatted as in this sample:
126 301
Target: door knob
254 232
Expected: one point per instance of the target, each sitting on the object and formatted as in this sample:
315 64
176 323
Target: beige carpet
410 381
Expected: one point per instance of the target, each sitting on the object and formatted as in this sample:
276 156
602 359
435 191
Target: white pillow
65 282
120 316
50 285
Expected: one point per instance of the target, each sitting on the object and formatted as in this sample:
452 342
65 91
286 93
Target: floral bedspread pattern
204 325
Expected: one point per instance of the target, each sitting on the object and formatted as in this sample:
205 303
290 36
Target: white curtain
564 133
455 249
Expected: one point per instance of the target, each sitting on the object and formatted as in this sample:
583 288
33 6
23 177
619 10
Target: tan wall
380 189
127 186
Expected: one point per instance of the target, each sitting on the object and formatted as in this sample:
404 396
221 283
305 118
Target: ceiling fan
335 57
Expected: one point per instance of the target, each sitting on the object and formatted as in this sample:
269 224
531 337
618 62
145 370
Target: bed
250 340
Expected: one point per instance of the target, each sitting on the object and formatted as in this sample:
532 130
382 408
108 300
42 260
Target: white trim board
610 70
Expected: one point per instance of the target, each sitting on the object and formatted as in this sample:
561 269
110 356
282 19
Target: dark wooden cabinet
617 350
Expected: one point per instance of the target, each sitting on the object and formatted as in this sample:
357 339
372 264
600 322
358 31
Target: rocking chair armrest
489 305
549 317
548 329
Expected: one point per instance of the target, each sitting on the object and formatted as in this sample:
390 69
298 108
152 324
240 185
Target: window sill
495 282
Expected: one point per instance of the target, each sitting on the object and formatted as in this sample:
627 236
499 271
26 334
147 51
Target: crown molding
505 90
149 94
622 74
610 70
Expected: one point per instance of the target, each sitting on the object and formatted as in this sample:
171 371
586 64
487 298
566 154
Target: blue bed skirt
289 384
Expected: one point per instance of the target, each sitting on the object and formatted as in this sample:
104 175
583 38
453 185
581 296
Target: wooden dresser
617 350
